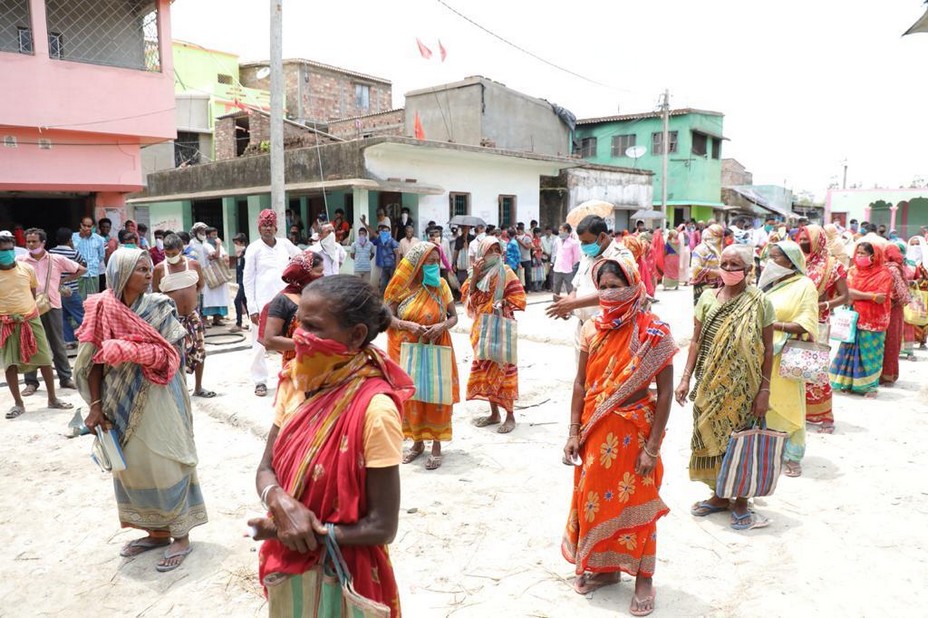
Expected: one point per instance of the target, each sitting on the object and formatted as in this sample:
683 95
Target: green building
695 162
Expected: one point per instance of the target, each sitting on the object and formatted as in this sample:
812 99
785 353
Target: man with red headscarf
265 261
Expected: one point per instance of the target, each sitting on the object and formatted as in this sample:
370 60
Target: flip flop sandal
485 421
205 394
412 455
636 603
30 390
748 521
142 545
164 568
588 583
433 462
60 405
15 412
701 509
261 390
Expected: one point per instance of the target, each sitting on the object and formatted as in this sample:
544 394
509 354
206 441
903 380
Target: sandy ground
482 534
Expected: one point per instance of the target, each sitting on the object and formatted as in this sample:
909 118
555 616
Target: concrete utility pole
665 143
844 182
277 116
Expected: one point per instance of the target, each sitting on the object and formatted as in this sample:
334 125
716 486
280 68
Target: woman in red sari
830 279
899 298
615 433
278 318
333 453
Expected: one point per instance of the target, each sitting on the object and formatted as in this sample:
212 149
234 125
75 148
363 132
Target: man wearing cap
265 261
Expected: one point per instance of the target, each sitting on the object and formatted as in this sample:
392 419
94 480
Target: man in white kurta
265 261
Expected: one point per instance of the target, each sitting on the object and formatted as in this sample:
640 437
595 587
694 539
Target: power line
521 49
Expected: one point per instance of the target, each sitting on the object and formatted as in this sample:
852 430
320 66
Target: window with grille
15 27
222 78
621 143
657 146
116 33
700 143
186 149
54 45
459 204
362 96
507 210
587 147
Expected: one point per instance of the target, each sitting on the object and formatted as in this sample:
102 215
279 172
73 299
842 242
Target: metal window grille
587 147
460 203
362 96
506 208
621 143
15 27
657 139
117 33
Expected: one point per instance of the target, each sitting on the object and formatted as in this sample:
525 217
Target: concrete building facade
904 210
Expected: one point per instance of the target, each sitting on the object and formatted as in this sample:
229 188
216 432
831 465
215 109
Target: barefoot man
180 278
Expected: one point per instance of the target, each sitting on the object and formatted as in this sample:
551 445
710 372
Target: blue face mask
431 275
7 257
384 236
590 250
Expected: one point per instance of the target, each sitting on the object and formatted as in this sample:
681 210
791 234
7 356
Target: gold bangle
649 453
93 403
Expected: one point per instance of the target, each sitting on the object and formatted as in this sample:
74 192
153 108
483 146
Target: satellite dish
263 72
635 152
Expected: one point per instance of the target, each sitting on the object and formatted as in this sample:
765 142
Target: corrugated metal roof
674 112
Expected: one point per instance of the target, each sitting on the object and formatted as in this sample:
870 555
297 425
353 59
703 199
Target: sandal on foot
142 545
748 521
30 390
60 405
261 390
413 454
486 421
433 462
827 429
792 469
589 582
164 568
701 509
15 412
635 608
205 394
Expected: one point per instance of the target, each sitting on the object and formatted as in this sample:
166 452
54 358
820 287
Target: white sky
803 84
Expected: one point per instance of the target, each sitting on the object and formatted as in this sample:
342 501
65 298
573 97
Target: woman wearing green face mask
423 309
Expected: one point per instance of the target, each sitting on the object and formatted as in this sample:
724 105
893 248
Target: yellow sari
427 306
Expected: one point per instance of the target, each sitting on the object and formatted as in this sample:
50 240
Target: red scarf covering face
319 453
638 346
297 275
873 279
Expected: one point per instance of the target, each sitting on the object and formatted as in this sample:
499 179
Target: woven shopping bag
430 367
217 272
844 325
321 592
498 339
916 310
752 463
805 361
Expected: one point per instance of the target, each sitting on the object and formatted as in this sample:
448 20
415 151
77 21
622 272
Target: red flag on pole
420 133
424 51
442 51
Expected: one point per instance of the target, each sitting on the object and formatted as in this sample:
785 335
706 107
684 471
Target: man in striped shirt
72 306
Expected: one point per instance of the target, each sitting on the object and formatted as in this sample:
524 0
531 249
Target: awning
761 201
293 187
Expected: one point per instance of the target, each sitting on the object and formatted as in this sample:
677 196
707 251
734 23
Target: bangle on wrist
95 402
649 453
264 494
763 389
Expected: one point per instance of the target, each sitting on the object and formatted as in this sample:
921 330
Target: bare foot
871 395
486 421
588 582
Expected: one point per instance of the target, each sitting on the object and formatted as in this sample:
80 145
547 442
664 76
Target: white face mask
329 242
201 237
174 259
405 217
772 272
159 244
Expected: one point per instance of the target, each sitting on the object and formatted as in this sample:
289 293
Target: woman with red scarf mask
859 364
331 465
278 318
899 296
616 429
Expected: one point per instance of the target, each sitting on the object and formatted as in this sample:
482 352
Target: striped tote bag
752 463
430 367
498 339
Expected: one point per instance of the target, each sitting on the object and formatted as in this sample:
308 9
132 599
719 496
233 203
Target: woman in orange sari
830 278
331 464
423 309
492 286
615 433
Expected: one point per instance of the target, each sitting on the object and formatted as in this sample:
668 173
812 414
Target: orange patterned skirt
612 525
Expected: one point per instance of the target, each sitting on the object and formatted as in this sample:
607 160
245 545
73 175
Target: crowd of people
343 408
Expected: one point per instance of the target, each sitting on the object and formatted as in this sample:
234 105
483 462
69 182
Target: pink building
90 83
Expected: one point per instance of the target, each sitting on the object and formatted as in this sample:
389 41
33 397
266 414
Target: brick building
392 122
318 93
248 132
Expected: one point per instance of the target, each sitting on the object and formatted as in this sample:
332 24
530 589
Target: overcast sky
803 84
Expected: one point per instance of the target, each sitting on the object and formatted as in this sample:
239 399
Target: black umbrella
467 220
